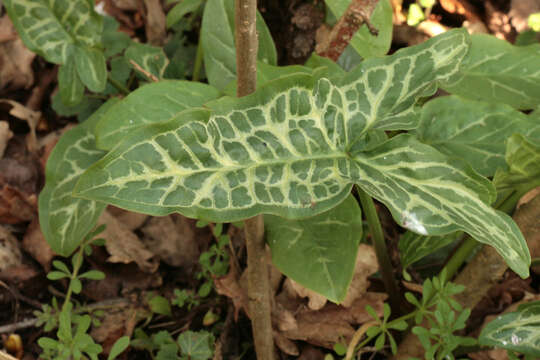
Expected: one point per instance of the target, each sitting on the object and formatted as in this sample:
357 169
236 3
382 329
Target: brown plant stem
357 14
258 277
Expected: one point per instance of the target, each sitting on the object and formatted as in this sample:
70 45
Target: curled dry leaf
10 254
5 136
30 116
315 300
34 243
15 59
173 238
332 323
131 220
124 246
285 345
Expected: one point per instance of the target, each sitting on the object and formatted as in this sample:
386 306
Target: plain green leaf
82 110
415 15
151 103
517 330
119 346
65 220
217 36
413 246
534 21
196 345
61 266
499 72
113 41
333 70
91 67
93 275
150 58
181 9
51 28
366 44
159 305
523 159
319 252
70 86
475 131
56 275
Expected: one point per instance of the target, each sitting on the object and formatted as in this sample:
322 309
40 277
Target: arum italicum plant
293 149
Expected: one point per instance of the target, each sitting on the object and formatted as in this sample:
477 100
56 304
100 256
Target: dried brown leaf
173 238
124 246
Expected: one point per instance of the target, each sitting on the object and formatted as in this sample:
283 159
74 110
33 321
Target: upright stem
258 279
198 62
380 249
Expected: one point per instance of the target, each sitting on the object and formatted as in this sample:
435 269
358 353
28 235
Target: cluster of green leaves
189 345
73 341
444 316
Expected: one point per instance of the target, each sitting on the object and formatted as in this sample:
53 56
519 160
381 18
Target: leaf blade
66 220
499 72
307 250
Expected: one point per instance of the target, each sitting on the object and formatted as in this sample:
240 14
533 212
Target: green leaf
440 196
366 44
151 103
500 72
415 15
333 70
276 151
91 68
523 158
113 41
217 36
93 275
534 21
150 58
475 131
65 220
319 252
181 9
119 346
196 345
159 305
70 86
56 275
516 331
294 149
50 28
413 246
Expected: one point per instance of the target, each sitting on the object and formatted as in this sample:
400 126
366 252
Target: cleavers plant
296 147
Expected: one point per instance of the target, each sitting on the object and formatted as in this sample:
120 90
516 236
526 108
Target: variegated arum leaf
275 151
499 72
148 58
523 159
217 39
517 330
151 103
414 247
296 146
432 194
66 220
363 42
51 28
473 130
318 252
